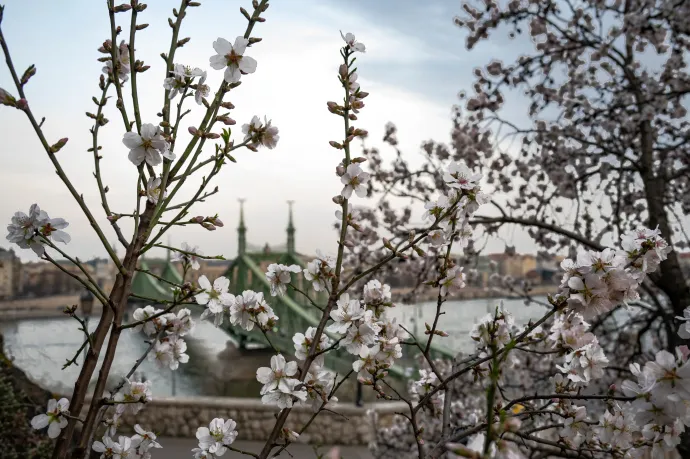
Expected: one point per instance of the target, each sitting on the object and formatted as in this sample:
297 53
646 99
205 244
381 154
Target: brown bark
110 319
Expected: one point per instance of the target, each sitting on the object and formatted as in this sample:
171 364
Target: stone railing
180 417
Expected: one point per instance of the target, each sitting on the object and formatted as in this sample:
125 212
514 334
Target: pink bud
340 170
212 135
22 104
192 130
208 226
198 219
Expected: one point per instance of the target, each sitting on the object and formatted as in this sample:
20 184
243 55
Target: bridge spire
290 231
241 231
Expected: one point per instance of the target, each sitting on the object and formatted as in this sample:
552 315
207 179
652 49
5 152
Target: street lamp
86 303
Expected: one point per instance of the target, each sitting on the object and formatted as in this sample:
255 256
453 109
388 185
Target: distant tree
605 143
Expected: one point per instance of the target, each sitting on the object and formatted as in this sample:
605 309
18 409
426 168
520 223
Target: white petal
131 140
204 283
240 45
153 158
248 64
232 75
222 46
40 421
221 284
148 131
218 62
137 155
54 430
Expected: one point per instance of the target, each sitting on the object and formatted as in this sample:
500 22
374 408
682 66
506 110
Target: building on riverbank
10 274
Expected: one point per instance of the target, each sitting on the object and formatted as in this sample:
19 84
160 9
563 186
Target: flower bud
358 159
192 130
31 71
343 71
216 221
197 219
22 104
340 170
227 105
212 135
335 145
208 226
349 244
58 146
226 120
352 117
7 99
338 199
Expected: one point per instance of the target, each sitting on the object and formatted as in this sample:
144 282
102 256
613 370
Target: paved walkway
180 448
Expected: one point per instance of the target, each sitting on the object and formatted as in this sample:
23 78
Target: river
40 347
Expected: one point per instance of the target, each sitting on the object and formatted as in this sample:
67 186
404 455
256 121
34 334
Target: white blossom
345 315
154 191
352 44
189 255
355 180
258 133
232 58
149 146
54 417
275 377
453 282
279 277
216 296
216 436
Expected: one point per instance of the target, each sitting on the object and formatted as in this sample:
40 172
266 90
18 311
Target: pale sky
414 67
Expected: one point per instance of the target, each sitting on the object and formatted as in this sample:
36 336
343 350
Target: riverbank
472 293
36 308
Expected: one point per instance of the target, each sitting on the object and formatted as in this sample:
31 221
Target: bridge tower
290 231
241 232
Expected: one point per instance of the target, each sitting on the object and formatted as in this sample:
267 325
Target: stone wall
180 417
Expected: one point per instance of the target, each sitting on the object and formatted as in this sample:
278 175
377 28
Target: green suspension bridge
295 313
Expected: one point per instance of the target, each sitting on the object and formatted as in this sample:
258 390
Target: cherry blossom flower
366 362
150 327
217 435
279 277
153 190
232 58
684 330
123 60
377 294
188 256
181 77
352 44
285 398
216 296
345 315
303 342
178 347
274 377
132 392
149 146
453 282
144 440
241 311
28 231
180 324
202 89
461 177
355 180
358 336
53 418
108 447
263 134
317 271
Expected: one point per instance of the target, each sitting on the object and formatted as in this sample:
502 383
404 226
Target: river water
40 347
